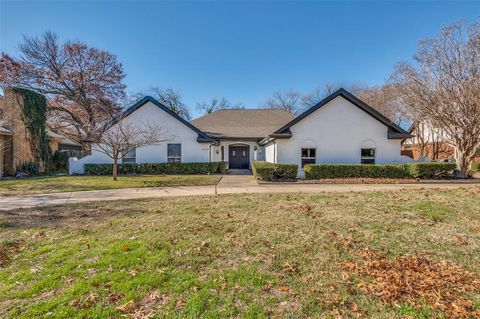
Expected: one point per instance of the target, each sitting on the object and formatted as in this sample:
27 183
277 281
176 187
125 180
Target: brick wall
20 150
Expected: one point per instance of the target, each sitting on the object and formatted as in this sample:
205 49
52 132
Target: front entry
238 157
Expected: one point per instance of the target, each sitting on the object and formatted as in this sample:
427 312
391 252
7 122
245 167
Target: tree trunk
463 162
115 169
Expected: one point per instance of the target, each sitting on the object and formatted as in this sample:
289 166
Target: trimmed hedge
411 170
266 171
157 168
476 167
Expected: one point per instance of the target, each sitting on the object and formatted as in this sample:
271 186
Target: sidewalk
230 184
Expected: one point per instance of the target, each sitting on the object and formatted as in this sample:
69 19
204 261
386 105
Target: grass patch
42 185
247 256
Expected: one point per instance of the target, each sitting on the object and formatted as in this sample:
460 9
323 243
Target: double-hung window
174 153
367 156
130 157
308 156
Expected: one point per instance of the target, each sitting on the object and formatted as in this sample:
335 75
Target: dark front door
238 157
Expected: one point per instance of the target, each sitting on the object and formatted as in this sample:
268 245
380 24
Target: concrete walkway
229 184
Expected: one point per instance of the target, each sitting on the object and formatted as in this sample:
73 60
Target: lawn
403 254
41 185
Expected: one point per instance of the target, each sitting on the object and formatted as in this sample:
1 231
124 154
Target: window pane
304 152
368 152
174 150
312 152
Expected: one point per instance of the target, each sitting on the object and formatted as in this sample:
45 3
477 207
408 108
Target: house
429 142
15 146
339 129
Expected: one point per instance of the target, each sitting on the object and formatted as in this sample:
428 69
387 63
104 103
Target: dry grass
249 256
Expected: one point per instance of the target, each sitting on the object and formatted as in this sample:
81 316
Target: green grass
41 185
247 256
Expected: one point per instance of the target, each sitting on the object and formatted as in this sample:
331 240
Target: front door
238 157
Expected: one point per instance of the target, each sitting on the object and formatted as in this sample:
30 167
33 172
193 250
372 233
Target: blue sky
240 50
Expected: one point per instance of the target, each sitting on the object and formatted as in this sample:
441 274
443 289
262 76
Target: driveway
229 184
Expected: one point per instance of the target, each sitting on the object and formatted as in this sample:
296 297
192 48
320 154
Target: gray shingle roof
243 123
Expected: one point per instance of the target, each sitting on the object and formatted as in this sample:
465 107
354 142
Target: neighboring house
339 129
14 137
428 142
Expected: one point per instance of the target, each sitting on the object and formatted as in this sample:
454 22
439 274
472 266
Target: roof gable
394 131
201 135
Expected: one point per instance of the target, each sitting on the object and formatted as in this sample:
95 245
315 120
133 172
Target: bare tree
125 136
321 92
385 99
83 84
444 88
216 104
287 100
169 97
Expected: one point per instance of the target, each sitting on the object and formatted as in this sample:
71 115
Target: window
130 157
308 156
222 148
174 153
367 156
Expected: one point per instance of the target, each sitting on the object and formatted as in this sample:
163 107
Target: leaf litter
415 280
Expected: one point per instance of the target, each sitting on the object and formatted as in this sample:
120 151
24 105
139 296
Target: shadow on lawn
58 216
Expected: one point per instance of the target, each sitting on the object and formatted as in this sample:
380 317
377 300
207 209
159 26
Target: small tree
124 136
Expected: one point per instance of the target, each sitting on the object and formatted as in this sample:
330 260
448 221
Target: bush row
411 170
476 166
266 171
157 168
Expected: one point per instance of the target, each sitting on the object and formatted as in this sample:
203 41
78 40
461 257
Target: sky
240 50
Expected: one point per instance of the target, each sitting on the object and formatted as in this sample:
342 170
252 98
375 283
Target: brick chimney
17 145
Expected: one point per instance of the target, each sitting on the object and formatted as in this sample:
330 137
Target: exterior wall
270 154
20 150
216 152
338 131
175 132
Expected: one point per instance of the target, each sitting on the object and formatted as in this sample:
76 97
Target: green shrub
476 167
59 162
27 168
411 170
430 169
274 171
157 168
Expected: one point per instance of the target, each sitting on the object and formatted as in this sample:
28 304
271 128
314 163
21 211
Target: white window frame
174 159
130 157
368 157
308 157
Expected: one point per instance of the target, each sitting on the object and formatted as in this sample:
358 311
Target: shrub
157 168
476 167
59 162
430 169
27 168
273 171
412 170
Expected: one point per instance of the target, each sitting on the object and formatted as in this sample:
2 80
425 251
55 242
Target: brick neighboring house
14 136
434 147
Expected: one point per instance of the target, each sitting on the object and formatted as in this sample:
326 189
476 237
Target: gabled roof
394 131
242 123
202 137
